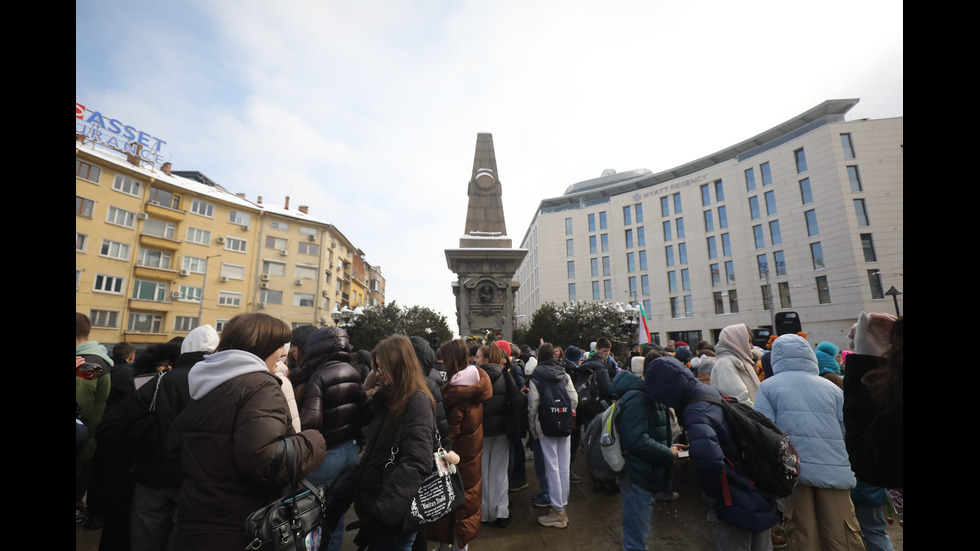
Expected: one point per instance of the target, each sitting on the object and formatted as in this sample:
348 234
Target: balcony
156 210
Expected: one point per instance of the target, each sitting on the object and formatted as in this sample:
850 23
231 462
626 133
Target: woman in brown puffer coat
464 412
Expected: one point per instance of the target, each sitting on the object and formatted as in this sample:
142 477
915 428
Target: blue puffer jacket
644 434
713 451
810 409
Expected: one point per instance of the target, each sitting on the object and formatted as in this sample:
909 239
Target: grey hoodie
220 367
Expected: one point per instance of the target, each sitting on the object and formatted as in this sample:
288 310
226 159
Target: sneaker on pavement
666 496
517 485
502 522
540 501
574 478
554 519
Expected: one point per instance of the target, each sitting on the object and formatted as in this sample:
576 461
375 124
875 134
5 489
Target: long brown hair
455 357
397 358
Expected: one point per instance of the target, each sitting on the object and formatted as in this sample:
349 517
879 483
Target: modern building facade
805 217
158 252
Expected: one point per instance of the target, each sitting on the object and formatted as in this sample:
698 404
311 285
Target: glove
368 530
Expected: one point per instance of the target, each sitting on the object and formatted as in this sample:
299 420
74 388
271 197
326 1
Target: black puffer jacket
494 409
333 396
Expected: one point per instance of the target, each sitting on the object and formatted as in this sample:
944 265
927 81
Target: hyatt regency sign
112 133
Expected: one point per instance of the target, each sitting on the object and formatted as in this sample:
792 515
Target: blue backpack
555 412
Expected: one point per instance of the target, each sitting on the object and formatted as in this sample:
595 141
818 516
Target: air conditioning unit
283 252
299 282
260 305
142 216
311 237
184 272
224 278
219 239
322 321
263 285
174 294
265 277
337 292
245 227
333 245
326 294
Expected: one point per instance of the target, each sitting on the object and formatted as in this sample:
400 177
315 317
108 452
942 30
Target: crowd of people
176 445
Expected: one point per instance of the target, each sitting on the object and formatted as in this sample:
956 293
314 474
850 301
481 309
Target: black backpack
555 412
589 402
769 458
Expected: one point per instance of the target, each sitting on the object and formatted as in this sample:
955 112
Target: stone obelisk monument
485 263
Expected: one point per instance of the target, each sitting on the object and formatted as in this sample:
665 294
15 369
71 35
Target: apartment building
158 252
806 217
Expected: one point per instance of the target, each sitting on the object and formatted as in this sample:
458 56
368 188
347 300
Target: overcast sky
368 111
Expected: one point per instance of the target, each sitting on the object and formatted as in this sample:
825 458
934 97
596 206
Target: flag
644 330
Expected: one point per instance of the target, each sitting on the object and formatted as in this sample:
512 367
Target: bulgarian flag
644 330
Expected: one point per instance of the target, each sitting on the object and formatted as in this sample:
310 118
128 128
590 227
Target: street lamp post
893 292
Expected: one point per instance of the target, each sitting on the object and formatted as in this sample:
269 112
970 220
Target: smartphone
683 453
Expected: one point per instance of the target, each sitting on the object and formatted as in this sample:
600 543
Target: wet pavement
594 522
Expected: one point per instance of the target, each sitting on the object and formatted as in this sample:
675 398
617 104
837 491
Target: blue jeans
637 514
339 460
394 541
539 471
873 523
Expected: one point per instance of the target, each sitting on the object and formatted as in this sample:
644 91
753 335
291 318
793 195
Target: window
726 245
303 230
305 300
121 217
677 203
733 301
854 178
868 244
278 243
643 260
686 279
823 290
108 284
719 191
202 208
149 290
641 240
604 242
763 266
712 247
719 302
816 251
306 272
115 249
861 211
770 203
709 222
160 228
607 288
232 271
189 293
140 322
668 231
669 253
715 275
629 239
630 262
184 324
722 217
106 319
569 247
593 245
596 294
645 285
571 292
568 226
665 206
606 268
632 286
639 213
877 289
682 253
766 297
750 179
784 300
239 217
153 258
267 296
679 224
754 212
227 298
675 307
672 281
199 236
705 195
766 174
627 217
194 264
779 259
235 244
595 267
571 269
805 194
84 207
811 223
800 157
127 185
602 220
81 242
777 237
688 306
847 145
760 239
730 272
592 222
164 198
86 171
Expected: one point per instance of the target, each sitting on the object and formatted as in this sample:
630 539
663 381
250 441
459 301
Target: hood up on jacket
672 384
793 353
626 381
328 343
551 370
424 353
220 367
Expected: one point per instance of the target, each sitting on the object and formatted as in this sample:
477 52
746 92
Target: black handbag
143 434
292 522
440 493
